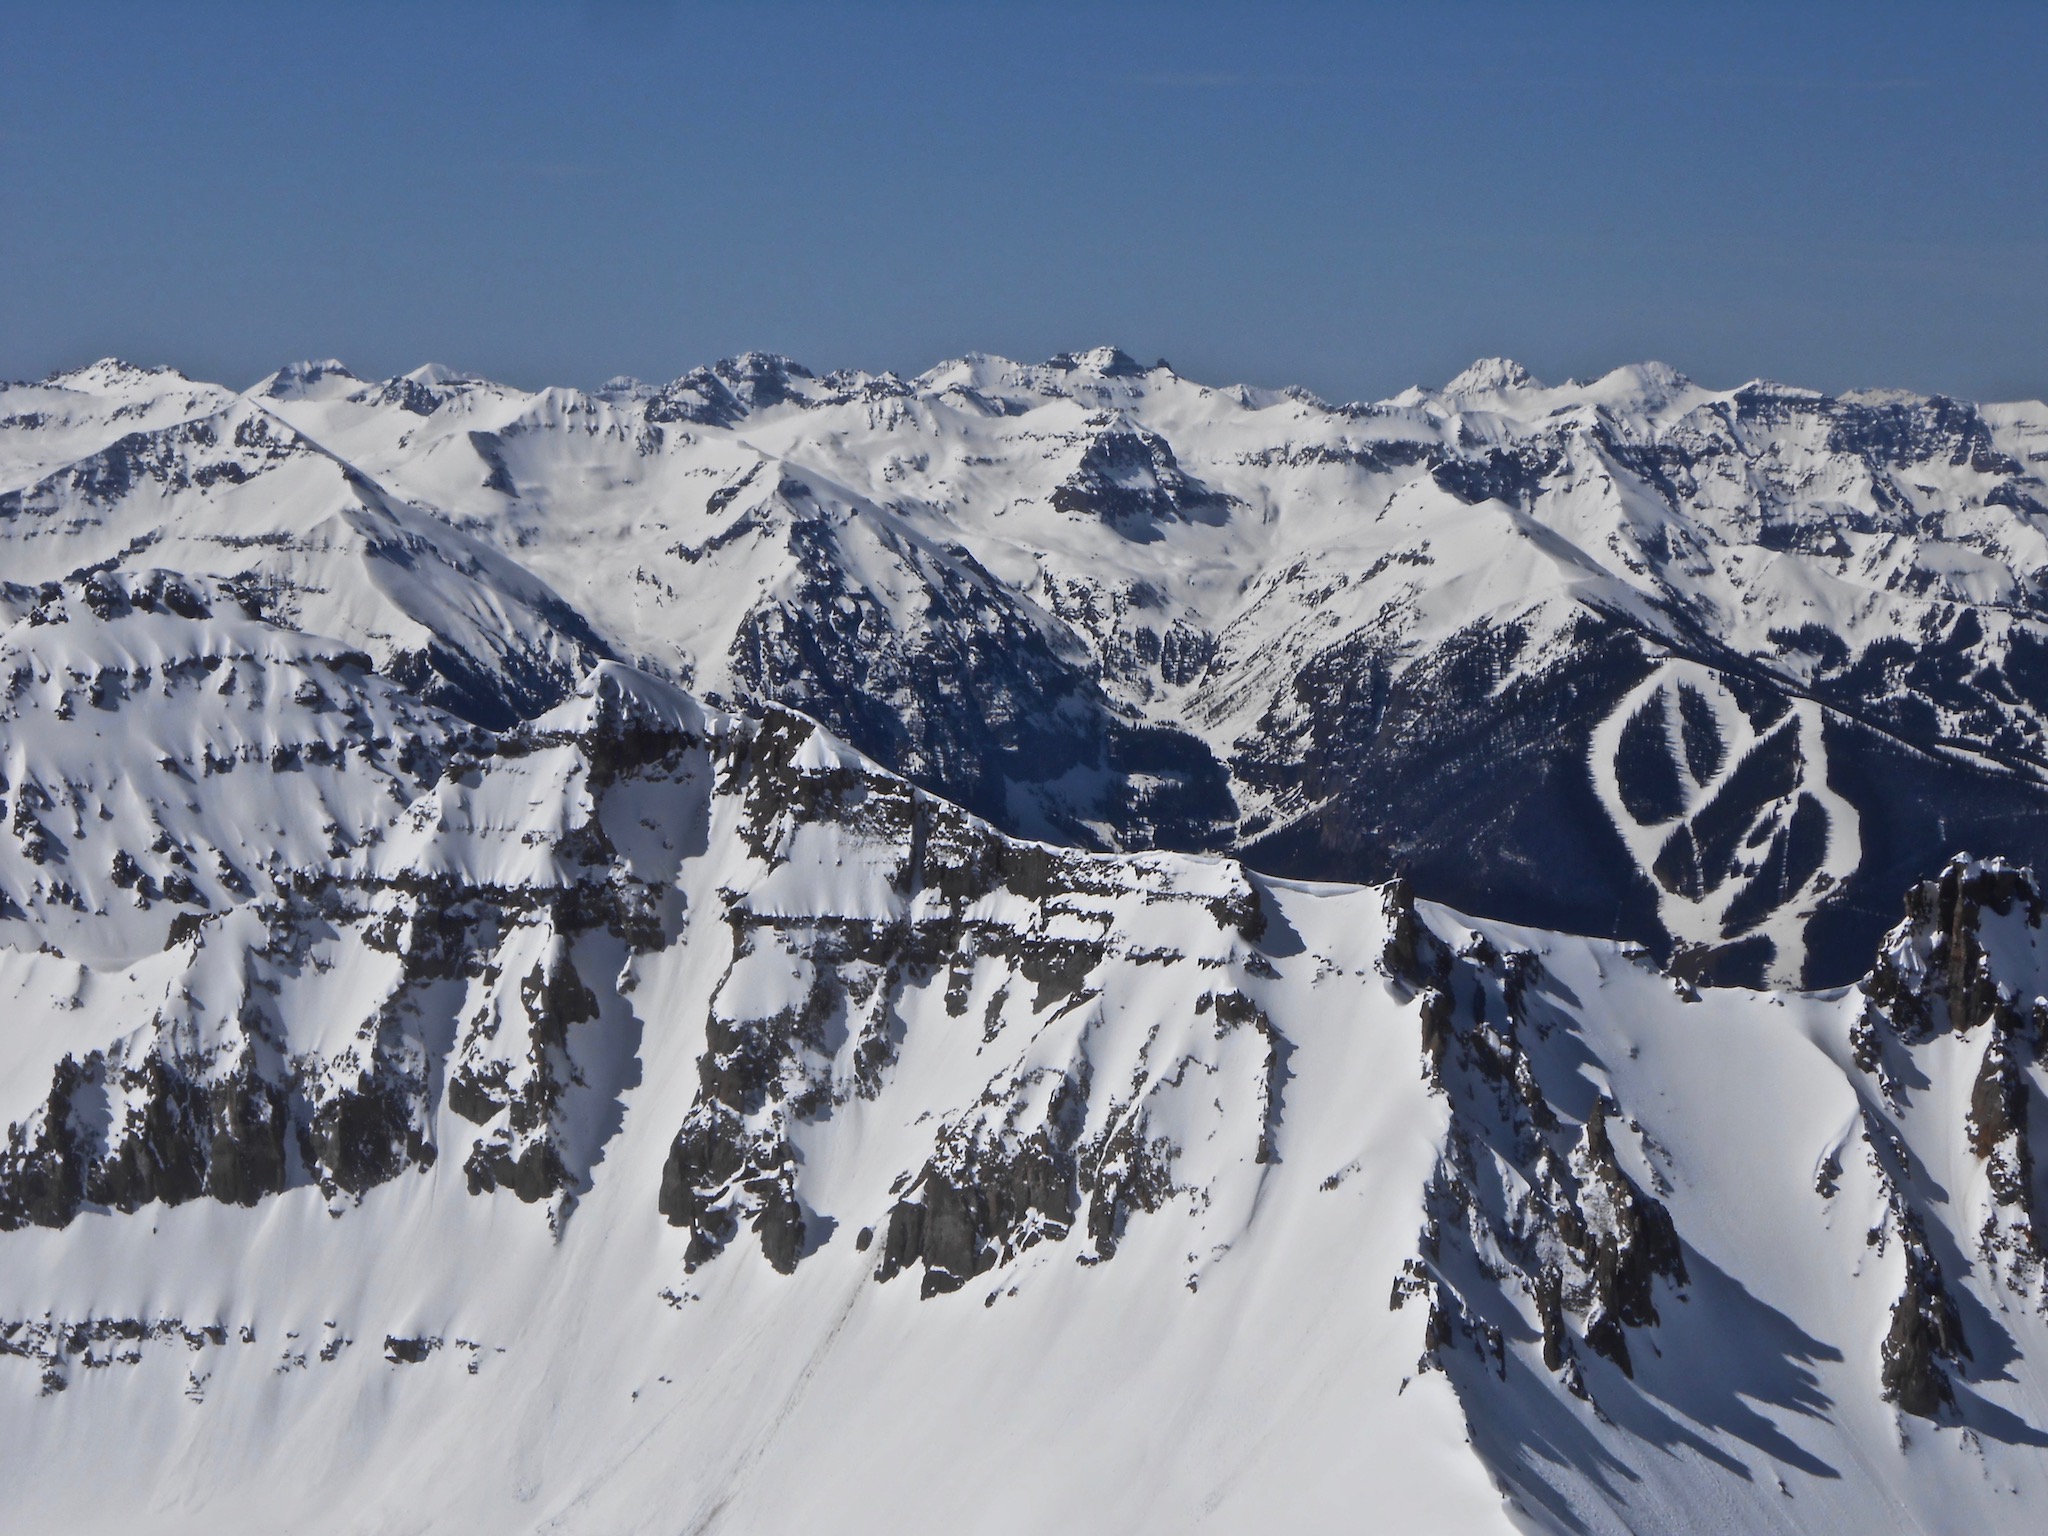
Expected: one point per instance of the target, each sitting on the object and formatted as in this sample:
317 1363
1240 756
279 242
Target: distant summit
1492 376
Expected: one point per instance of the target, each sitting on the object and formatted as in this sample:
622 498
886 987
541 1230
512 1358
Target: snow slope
653 1117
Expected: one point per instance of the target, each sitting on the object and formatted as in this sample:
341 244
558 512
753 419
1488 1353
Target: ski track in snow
1700 916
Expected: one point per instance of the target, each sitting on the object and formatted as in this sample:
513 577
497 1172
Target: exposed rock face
1130 479
1521 1193
1622 1239
821 1026
1958 976
1925 1340
1997 1122
217 1096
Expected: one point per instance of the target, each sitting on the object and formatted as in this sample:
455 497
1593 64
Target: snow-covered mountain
457 1080
1716 671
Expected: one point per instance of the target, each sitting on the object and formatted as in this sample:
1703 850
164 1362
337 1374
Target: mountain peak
760 365
624 386
321 378
1110 362
111 373
435 374
761 379
1492 376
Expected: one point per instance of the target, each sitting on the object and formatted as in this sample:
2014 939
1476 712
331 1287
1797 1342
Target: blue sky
1348 197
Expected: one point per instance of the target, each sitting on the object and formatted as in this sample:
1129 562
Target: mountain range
1039 944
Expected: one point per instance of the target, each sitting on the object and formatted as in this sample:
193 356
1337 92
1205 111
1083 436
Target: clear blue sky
1349 197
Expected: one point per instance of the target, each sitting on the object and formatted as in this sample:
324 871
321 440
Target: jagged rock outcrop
1957 983
806 1018
1522 1194
1925 1340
